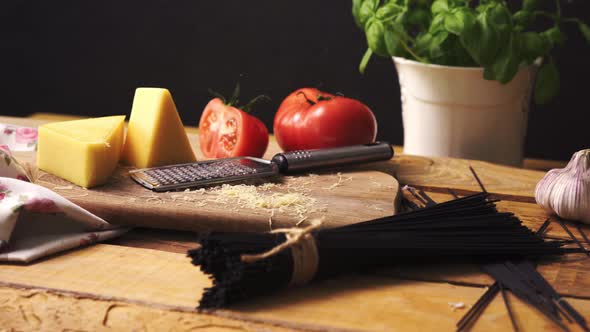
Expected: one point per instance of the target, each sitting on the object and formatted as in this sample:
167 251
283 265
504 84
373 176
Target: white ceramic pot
455 112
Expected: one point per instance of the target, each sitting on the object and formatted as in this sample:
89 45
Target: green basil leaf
374 33
367 10
472 40
437 24
547 84
497 27
499 15
458 20
555 36
585 29
388 11
461 57
422 43
481 8
439 6
453 23
400 20
506 64
392 41
522 18
356 12
436 49
418 17
489 41
533 45
488 73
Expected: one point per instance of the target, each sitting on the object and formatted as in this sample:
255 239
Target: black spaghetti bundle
244 265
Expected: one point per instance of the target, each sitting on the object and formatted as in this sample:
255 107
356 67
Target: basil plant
466 33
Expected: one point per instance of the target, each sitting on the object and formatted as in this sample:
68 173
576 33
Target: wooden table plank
439 174
157 279
159 239
42 310
113 272
384 304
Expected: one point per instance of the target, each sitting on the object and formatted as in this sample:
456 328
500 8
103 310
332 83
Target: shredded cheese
76 196
289 198
376 207
63 188
456 305
248 196
341 180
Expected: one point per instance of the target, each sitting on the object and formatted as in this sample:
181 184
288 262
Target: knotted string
303 249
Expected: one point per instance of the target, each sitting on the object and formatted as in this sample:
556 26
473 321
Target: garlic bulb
566 191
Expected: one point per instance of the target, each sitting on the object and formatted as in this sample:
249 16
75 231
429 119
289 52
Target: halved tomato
226 131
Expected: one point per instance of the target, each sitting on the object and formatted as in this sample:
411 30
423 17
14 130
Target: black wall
87 58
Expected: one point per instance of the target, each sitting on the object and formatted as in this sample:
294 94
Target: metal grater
206 173
202 174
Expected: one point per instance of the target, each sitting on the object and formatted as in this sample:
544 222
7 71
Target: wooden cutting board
341 196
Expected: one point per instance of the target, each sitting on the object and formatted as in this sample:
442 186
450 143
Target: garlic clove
566 192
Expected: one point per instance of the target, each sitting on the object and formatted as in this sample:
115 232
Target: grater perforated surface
201 173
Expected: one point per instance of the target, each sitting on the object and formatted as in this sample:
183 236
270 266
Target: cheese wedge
85 152
155 134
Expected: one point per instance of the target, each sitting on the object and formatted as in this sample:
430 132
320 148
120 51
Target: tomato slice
225 131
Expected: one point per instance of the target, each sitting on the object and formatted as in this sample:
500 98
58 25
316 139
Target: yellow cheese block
85 152
155 134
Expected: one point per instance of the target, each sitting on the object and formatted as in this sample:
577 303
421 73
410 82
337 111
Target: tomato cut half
226 131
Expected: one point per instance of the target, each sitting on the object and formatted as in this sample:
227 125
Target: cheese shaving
267 186
77 196
341 180
456 305
301 221
63 188
154 199
376 207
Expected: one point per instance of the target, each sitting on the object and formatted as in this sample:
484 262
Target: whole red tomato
226 131
311 119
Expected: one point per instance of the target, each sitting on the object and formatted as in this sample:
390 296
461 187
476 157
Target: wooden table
144 281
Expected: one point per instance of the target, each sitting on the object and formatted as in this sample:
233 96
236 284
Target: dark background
87 58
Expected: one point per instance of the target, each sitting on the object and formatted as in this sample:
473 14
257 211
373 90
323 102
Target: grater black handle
305 160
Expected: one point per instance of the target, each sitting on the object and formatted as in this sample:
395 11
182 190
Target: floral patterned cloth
36 222
18 138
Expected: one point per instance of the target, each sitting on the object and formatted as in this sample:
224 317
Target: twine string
303 249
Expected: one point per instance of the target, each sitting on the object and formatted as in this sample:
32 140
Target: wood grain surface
152 279
33 309
144 281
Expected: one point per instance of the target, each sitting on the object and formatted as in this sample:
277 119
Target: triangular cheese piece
85 152
155 135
